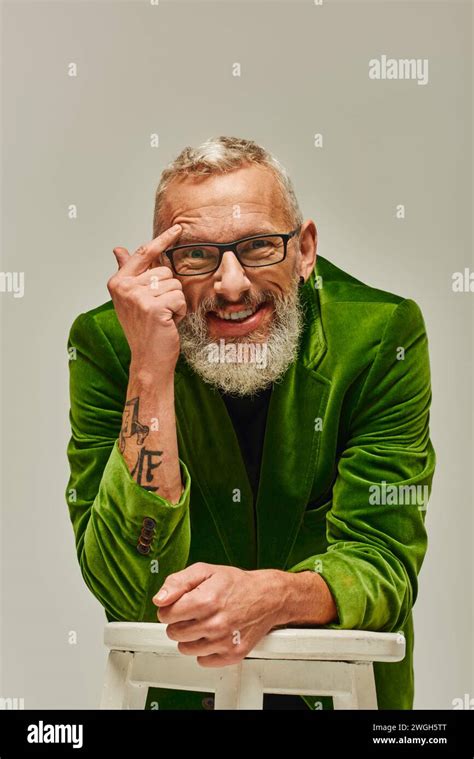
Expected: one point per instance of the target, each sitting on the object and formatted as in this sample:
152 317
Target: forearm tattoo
130 424
145 470
145 464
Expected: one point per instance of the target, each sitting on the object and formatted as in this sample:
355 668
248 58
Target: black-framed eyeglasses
251 252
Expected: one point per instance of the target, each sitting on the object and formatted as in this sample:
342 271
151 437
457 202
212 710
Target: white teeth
236 314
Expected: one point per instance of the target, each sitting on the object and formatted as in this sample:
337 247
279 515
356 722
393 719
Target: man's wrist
150 377
306 599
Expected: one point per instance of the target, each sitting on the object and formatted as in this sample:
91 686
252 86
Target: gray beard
244 365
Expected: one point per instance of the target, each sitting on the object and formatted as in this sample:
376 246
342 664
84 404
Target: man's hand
149 303
219 613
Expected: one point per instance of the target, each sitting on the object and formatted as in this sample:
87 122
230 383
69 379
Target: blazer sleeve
106 506
376 533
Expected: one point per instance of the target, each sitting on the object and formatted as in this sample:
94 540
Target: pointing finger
145 254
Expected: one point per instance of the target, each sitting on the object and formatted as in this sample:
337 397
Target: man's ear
308 240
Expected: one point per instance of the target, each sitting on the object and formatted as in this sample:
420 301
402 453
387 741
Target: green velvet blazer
351 413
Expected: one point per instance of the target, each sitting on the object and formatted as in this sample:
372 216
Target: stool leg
114 692
240 687
363 694
136 696
251 687
227 692
364 685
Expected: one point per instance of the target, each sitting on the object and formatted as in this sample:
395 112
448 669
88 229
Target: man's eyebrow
185 239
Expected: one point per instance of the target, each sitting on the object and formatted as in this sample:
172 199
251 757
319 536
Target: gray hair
219 155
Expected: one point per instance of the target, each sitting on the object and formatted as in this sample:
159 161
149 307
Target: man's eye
196 253
258 244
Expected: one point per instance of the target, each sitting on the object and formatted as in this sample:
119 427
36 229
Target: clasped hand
219 613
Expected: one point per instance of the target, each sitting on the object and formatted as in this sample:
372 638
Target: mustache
248 300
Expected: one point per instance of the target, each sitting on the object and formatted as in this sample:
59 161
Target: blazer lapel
290 461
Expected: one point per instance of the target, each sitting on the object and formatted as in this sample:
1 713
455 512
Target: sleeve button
145 540
141 548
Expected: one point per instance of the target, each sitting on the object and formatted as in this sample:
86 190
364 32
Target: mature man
238 415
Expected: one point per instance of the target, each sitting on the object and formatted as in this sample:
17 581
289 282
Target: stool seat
302 661
288 643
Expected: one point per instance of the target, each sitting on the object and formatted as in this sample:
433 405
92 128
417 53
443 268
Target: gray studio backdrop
87 141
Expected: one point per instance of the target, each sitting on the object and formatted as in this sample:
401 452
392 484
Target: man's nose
231 280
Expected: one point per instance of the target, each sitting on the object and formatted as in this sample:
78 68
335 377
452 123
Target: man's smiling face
227 207
220 208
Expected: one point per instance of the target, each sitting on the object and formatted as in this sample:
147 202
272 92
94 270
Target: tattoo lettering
131 426
145 466
146 463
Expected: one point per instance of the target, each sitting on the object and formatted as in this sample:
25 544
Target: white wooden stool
299 661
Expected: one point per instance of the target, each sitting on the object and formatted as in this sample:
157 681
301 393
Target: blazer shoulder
355 316
339 286
99 326
104 317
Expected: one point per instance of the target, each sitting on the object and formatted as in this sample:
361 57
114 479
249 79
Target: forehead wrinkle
258 229
223 227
